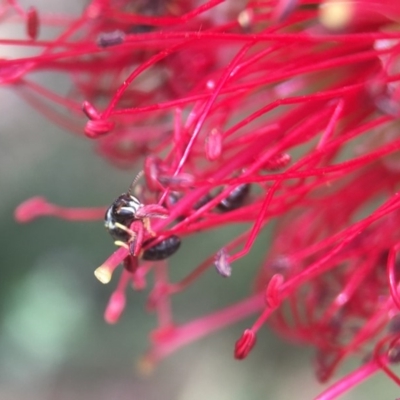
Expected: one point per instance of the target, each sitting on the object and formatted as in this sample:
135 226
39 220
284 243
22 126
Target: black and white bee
120 216
124 211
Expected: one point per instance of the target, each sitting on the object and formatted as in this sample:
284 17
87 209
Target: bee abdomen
162 250
235 199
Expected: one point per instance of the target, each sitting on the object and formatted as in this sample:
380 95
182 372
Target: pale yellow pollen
103 274
124 228
121 244
336 14
147 225
245 18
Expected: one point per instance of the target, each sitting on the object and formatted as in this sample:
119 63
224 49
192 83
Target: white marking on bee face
109 220
121 214
134 204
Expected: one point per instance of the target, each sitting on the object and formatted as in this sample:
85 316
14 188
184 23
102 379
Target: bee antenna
134 182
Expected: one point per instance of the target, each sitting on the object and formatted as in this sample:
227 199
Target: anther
98 128
115 307
336 14
222 264
272 293
103 273
107 39
245 18
90 111
32 208
245 344
213 145
32 23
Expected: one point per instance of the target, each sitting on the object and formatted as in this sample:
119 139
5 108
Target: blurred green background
54 344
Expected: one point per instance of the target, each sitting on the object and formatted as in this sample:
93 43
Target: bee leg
135 243
127 230
121 244
146 223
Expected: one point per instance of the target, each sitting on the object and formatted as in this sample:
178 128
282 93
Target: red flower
281 111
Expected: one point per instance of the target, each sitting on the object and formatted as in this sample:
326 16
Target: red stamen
245 344
32 23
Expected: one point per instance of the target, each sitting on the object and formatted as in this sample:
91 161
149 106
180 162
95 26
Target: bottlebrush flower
242 112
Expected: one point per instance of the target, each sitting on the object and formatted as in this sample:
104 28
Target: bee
235 198
163 249
124 211
120 216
